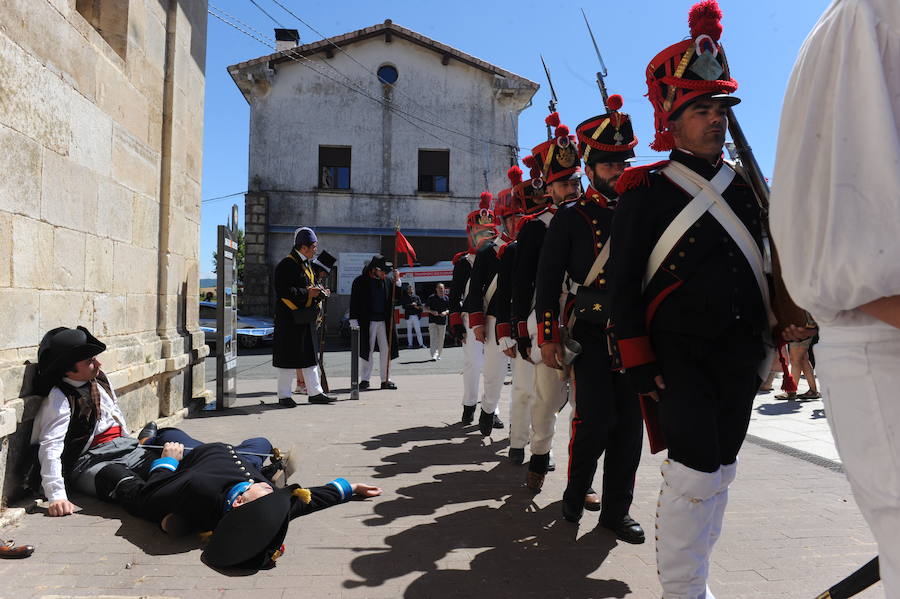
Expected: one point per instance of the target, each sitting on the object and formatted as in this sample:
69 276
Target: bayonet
602 73
552 105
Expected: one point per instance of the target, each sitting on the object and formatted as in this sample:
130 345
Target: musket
552 105
186 449
602 73
786 311
857 582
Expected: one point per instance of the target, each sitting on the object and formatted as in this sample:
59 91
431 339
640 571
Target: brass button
597 232
691 240
602 281
594 221
599 244
602 271
243 469
681 254
547 331
671 267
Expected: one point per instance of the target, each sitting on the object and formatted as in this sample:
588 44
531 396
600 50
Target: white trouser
286 377
494 367
860 372
413 322
473 362
688 523
377 332
551 395
523 398
436 338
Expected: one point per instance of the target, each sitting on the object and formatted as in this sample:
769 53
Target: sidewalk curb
812 458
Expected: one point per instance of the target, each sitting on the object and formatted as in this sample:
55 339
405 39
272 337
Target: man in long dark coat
295 344
371 307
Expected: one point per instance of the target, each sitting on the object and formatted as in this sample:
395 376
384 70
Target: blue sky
761 38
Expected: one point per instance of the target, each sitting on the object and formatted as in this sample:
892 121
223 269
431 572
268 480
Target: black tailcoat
295 345
361 311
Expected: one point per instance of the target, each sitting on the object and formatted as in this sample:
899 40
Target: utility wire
353 86
394 87
230 195
253 2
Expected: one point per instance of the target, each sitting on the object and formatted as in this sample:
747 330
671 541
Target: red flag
405 247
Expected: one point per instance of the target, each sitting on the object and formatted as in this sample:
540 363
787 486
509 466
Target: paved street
455 519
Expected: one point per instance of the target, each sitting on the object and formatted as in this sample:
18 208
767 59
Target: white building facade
362 132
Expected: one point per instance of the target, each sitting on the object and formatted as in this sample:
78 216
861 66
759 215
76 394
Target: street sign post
226 316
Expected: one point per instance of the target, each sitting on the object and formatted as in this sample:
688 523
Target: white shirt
51 425
835 205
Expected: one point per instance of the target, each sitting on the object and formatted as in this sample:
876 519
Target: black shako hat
607 137
325 260
251 536
59 350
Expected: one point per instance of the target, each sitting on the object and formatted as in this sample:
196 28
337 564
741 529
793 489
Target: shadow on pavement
419 433
782 407
473 450
522 551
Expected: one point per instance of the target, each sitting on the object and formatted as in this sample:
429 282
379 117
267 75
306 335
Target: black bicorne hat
59 350
326 261
379 261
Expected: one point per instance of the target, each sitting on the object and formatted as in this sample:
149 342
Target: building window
109 18
434 170
334 167
388 74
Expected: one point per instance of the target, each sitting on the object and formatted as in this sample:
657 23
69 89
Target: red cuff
636 351
503 330
455 319
522 330
476 319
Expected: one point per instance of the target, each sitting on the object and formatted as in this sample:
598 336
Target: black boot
626 528
485 423
148 432
287 402
517 455
468 416
537 470
321 398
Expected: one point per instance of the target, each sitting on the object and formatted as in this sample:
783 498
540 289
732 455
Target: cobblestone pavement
455 519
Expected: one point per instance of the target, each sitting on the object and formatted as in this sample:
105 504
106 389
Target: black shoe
497 422
148 432
321 398
627 529
468 416
485 423
287 402
517 455
363 385
592 501
388 385
551 464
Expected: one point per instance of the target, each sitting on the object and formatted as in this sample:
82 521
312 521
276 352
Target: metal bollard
354 362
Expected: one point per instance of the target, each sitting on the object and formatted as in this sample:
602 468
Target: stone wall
101 131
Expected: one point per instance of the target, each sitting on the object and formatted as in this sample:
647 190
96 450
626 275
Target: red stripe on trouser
572 431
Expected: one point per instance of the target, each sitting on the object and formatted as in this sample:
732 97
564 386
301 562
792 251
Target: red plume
486 198
529 161
552 119
562 131
704 19
614 102
515 175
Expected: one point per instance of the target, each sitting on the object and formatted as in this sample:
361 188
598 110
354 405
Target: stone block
7 421
141 309
20 163
68 193
64 309
6 245
18 306
134 164
68 259
32 246
171 397
109 314
34 100
145 221
115 206
134 270
98 264
139 403
91 143
16 379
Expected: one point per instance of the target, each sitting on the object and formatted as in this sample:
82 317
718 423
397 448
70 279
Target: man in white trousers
371 308
834 218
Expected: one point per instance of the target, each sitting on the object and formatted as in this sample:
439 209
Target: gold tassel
205 536
304 495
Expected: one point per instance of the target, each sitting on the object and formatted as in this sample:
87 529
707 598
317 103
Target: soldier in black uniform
217 488
482 303
295 344
481 227
607 415
690 299
554 163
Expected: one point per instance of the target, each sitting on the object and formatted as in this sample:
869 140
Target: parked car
251 331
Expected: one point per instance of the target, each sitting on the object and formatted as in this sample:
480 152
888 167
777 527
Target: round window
387 74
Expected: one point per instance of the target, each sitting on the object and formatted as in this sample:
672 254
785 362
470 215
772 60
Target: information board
350 265
226 319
